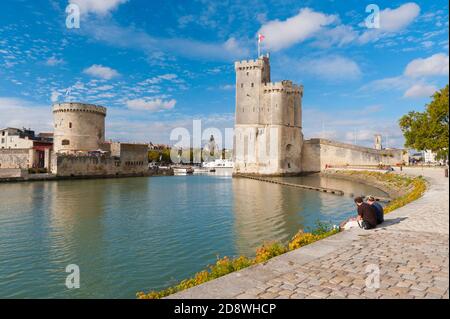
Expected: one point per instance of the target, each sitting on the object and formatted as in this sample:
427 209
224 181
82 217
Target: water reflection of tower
77 226
264 212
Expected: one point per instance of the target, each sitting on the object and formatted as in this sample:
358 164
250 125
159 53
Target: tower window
247 73
65 142
242 85
253 85
70 124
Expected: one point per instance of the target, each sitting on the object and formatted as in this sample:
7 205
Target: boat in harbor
183 170
218 163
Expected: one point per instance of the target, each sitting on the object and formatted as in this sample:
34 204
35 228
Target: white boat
219 163
201 170
183 170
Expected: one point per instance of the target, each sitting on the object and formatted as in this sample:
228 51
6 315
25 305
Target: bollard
446 172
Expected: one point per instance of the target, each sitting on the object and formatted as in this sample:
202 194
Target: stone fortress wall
80 148
119 159
268 136
15 158
268 130
319 153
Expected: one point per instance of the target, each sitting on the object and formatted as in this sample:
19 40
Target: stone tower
378 142
268 123
78 127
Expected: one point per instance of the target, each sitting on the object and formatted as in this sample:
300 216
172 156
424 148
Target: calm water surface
135 234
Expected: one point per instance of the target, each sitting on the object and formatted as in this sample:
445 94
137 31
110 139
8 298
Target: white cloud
100 71
392 20
159 79
105 88
54 96
331 67
228 87
100 7
151 104
157 48
339 35
53 61
22 113
282 34
352 124
436 64
420 90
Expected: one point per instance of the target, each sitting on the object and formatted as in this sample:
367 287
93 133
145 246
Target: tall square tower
268 129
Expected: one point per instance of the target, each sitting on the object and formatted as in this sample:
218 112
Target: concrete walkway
408 257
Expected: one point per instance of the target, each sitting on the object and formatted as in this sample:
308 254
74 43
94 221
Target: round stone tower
78 127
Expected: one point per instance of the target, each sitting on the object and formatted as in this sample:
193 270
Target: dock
313 188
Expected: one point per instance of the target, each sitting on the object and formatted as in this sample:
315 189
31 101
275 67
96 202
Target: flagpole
259 47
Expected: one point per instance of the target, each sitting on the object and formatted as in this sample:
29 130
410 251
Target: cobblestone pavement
408 257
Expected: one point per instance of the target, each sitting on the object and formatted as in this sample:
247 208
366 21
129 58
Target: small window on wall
70 124
65 142
253 85
242 85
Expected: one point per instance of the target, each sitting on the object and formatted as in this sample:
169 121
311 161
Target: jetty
313 188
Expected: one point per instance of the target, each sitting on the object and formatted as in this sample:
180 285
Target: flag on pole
260 39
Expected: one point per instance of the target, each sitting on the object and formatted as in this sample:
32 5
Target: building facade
268 124
21 149
14 138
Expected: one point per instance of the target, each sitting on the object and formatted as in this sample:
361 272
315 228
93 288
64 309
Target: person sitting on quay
367 214
380 212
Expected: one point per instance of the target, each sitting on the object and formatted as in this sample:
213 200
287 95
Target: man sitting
380 212
367 214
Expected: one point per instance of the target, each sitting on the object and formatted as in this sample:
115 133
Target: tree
428 130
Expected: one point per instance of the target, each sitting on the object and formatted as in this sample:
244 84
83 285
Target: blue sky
158 65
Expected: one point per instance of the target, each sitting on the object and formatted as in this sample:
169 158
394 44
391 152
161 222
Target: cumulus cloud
151 104
100 7
101 71
283 34
331 67
392 20
434 65
414 79
419 91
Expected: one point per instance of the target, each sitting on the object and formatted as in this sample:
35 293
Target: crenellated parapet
284 86
78 107
250 64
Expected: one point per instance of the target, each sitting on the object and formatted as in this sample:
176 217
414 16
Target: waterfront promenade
410 250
